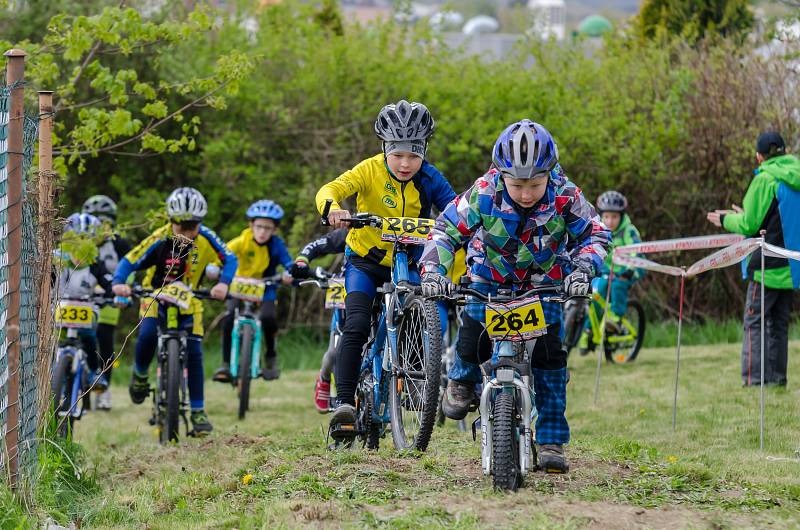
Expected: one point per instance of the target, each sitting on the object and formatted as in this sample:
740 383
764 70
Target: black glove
434 284
578 283
300 270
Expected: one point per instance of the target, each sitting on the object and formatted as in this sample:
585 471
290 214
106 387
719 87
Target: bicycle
623 340
171 395
401 359
246 336
514 321
451 342
69 382
333 286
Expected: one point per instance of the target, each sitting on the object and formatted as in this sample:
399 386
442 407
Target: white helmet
186 204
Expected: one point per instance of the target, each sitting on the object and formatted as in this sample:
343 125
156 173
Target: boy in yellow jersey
178 251
259 252
398 182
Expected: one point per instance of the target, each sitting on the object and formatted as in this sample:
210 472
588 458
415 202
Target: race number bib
334 295
520 320
78 315
247 289
176 293
408 230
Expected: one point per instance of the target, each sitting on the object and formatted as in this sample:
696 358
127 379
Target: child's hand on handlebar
335 218
286 278
219 291
122 289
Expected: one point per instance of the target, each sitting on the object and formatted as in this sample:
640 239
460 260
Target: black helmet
612 201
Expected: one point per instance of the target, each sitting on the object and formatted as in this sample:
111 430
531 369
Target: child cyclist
81 274
612 206
111 250
259 252
178 251
525 225
331 243
397 182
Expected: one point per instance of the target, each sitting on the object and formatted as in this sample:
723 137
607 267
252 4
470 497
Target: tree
693 20
111 94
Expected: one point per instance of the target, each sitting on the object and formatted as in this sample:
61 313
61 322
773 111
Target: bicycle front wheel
172 378
60 388
416 374
245 359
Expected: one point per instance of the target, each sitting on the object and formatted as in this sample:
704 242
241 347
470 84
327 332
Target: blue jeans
146 345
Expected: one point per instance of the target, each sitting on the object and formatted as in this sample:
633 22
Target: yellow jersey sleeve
345 185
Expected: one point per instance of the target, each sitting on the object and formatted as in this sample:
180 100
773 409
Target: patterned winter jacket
562 231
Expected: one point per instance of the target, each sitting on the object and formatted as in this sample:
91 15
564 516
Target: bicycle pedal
476 425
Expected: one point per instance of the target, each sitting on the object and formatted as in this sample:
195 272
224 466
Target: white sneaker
103 400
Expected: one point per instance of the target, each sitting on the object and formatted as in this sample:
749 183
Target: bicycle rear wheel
245 359
416 375
624 347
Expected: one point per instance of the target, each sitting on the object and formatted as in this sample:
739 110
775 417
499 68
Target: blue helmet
82 223
524 150
265 209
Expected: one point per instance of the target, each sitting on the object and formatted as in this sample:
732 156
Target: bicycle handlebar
359 220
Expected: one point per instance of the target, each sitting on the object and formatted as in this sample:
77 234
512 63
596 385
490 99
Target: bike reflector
516 321
408 230
73 314
334 295
247 289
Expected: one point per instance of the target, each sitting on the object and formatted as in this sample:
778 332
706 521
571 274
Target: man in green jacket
772 204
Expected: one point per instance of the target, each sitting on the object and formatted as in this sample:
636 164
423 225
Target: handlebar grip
325 211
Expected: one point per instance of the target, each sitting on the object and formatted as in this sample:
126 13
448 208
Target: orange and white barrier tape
725 257
686 243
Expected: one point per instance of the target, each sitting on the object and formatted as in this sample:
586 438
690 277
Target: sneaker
223 374
103 400
200 424
457 399
271 370
552 458
343 425
98 381
139 388
322 395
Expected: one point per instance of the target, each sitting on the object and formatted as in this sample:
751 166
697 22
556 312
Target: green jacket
625 234
762 211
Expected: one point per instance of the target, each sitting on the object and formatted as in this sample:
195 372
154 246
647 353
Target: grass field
629 469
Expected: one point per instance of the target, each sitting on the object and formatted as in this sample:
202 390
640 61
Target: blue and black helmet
265 209
525 150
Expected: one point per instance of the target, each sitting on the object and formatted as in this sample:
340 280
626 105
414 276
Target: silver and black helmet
403 122
612 201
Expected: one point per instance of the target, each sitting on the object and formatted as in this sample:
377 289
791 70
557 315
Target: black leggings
474 346
269 327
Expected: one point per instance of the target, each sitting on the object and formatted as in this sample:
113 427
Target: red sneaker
322 395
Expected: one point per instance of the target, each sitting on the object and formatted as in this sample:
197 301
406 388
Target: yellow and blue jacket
259 261
165 261
380 193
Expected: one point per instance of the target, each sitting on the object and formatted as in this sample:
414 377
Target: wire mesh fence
21 276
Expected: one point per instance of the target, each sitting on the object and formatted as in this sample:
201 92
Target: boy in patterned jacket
525 225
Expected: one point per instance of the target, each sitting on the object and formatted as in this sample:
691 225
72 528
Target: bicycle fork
255 349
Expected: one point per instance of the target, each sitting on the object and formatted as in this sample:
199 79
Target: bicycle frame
71 346
596 322
246 317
